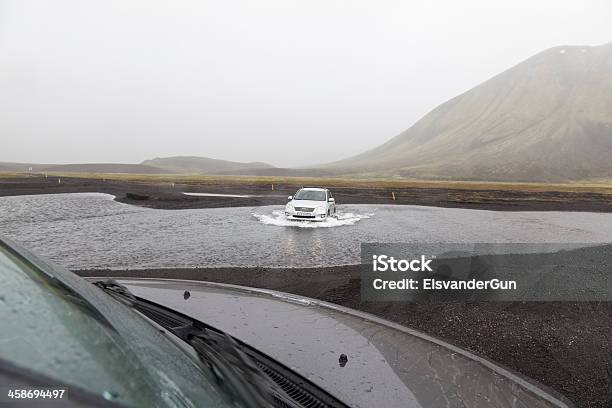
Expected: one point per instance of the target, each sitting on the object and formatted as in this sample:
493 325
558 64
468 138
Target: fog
287 82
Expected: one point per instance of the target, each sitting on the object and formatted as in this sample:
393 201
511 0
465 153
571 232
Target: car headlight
288 207
320 209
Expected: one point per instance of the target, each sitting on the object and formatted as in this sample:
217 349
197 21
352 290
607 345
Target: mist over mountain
548 118
202 165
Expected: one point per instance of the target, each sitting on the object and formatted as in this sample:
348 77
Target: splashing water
340 219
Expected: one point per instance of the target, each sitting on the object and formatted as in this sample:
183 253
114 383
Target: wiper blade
219 351
229 363
111 285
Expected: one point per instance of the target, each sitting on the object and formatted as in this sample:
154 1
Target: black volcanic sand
166 196
566 346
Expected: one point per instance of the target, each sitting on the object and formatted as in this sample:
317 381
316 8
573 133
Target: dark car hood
388 365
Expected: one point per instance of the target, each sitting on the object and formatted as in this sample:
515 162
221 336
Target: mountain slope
202 165
546 119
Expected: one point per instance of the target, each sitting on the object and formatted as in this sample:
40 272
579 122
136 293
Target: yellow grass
11 174
603 186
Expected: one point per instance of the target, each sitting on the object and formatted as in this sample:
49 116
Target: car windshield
49 329
313 195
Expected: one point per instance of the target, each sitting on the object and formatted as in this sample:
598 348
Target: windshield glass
48 329
313 195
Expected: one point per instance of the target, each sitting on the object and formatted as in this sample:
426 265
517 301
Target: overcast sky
287 82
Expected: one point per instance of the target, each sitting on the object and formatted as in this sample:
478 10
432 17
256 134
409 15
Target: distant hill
284 172
18 167
22 167
547 119
104 168
81 168
165 165
203 165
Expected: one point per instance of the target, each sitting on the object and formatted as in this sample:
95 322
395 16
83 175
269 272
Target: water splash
278 218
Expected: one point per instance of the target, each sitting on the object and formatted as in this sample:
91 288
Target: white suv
316 204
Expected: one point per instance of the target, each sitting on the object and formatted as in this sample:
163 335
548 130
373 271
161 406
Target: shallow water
93 231
277 217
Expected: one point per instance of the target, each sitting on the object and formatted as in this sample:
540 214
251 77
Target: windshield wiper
222 354
111 285
225 358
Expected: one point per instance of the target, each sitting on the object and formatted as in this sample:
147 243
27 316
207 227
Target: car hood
306 203
388 365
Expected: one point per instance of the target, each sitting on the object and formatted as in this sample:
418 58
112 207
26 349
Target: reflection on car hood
388 365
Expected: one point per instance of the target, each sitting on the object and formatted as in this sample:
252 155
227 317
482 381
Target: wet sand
566 346
168 196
